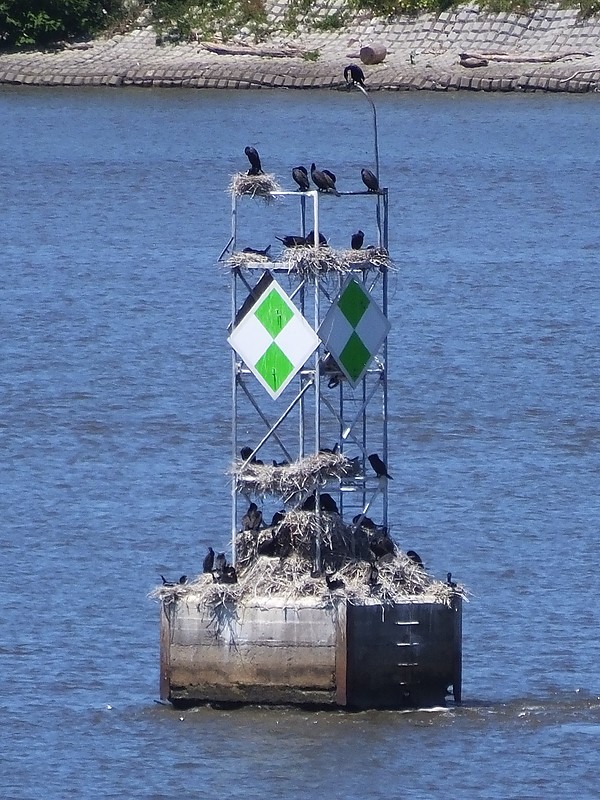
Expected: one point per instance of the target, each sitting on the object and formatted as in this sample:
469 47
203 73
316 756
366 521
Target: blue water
115 422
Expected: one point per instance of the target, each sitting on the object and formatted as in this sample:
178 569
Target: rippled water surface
114 423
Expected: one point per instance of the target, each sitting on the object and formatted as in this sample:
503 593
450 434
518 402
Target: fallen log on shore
517 58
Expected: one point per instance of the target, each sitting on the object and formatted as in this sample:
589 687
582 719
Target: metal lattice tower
318 408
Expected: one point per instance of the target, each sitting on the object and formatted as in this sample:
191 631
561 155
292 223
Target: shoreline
550 50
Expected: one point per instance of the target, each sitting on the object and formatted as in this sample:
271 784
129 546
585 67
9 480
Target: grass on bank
43 23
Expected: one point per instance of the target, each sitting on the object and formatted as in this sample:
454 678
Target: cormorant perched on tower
220 563
254 159
300 175
370 180
415 558
246 452
252 519
209 561
324 180
310 238
354 74
379 466
292 241
333 584
357 240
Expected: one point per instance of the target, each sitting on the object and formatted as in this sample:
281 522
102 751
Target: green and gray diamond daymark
354 329
273 339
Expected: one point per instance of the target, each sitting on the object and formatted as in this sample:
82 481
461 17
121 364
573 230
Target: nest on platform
311 262
241 259
254 186
290 575
296 479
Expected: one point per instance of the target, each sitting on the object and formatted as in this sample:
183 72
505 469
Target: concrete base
271 651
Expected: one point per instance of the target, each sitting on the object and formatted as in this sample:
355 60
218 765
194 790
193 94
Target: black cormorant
292 241
324 180
370 180
354 74
246 452
332 583
254 159
357 240
278 517
209 561
252 519
381 544
220 562
228 575
379 466
310 238
415 558
264 252
300 175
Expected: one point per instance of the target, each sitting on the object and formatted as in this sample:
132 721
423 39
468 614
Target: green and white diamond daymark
274 340
353 330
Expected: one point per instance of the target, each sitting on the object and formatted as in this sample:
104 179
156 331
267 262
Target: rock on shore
547 49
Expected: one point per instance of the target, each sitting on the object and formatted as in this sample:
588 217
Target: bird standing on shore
254 159
300 175
369 179
354 74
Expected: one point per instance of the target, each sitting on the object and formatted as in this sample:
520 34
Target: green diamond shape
353 303
274 366
274 313
354 356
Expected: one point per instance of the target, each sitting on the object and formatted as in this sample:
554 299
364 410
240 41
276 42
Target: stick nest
254 185
289 576
311 262
296 479
241 259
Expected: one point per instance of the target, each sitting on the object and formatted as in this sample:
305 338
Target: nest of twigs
254 185
311 262
242 259
386 580
296 479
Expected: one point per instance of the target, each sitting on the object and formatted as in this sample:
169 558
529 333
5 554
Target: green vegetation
42 23
204 18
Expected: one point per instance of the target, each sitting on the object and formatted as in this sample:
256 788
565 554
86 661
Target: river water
115 422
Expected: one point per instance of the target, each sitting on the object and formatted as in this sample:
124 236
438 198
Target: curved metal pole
376 143
376 139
